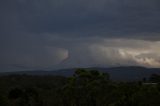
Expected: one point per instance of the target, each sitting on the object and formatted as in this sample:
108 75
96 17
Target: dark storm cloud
44 33
104 16
97 18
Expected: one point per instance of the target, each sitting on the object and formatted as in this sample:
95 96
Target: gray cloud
39 34
102 16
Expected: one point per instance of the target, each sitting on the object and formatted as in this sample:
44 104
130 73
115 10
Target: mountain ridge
129 73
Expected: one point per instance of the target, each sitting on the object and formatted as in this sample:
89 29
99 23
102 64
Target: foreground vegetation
84 88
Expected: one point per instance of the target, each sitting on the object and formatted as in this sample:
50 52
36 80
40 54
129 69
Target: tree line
84 88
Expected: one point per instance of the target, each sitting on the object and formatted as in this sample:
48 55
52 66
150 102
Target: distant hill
116 73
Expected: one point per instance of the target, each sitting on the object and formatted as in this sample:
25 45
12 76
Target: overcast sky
54 34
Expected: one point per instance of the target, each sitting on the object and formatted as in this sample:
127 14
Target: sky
55 34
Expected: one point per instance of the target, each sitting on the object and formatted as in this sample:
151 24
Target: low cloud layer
116 52
77 52
127 52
